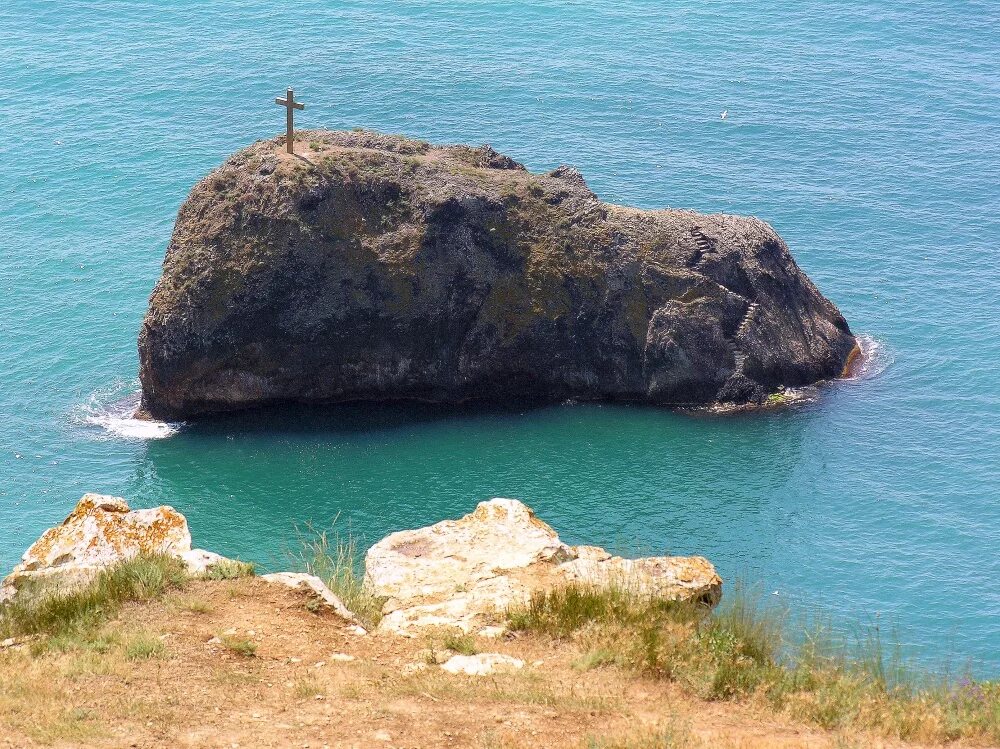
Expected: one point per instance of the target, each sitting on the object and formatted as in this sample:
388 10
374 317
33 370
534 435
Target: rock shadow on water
351 418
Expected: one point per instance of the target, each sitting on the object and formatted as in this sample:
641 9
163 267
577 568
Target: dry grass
515 688
47 691
605 669
67 615
156 675
307 687
668 735
33 699
741 653
189 604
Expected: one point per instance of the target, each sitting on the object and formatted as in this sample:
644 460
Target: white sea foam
134 429
113 410
875 358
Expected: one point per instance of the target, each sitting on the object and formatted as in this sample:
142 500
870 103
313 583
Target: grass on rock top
64 615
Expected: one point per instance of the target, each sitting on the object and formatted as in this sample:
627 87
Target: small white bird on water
725 113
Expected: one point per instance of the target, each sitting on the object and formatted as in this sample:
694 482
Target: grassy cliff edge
146 651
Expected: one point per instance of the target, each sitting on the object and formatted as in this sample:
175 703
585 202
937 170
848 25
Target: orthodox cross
290 106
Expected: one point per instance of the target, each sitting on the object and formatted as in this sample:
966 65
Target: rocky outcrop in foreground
375 267
460 574
101 531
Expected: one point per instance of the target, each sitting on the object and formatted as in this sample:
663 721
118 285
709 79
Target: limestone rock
499 534
465 573
315 587
100 531
375 267
199 561
667 577
482 664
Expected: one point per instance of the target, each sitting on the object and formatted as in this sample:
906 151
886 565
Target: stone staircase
739 355
704 251
747 320
703 247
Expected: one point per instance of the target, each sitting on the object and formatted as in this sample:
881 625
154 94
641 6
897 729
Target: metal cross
290 106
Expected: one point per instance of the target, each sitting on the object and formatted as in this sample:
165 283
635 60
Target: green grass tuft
336 561
230 569
144 646
461 644
63 615
595 659
239 645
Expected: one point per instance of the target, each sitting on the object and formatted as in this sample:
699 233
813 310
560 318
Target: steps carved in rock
703 247
740 357
747 320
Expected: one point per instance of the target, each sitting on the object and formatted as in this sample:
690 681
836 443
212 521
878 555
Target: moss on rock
375 266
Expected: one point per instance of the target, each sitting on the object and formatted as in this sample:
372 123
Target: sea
867 134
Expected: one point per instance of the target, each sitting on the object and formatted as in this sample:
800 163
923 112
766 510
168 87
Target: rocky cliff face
374 267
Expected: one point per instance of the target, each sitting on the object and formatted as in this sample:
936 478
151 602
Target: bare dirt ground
243 663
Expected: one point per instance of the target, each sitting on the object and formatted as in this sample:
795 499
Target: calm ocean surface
868 134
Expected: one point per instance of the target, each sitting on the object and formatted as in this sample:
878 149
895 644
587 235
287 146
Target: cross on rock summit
290 106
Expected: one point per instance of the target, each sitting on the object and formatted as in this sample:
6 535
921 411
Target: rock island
375 267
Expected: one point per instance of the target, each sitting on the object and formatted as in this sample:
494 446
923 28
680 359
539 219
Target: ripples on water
865 133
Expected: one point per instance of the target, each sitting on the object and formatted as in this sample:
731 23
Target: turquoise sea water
866 133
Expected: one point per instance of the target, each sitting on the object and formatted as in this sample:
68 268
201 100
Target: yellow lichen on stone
100 531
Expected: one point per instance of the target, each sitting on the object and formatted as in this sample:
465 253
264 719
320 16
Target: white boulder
466 573
100 531
315 587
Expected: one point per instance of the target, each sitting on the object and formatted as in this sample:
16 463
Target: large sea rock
376 267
